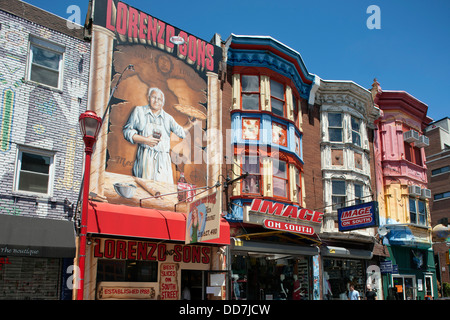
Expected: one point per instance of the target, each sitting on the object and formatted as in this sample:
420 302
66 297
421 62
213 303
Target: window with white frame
298 185
280 178
45 62
252 183
356 131
34 171
335 132
338 194
358 193
418 211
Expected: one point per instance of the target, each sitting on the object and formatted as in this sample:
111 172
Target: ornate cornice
264 59
350 95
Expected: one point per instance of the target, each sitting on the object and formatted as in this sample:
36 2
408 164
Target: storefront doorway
338 274
192 284
269 276
405 287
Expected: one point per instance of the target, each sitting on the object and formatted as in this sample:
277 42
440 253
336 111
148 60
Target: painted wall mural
155 140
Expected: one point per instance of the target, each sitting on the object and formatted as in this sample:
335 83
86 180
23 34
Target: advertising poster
203 222
155 138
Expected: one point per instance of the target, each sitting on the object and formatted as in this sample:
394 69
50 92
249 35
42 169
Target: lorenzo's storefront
161 120
140 254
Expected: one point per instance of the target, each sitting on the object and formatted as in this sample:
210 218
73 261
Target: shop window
338 197
127 270
417 211
252 183
268 276
277 98
338 274
280 178
34 171
45 62
356 133
358 193
250 92
279 134
335 127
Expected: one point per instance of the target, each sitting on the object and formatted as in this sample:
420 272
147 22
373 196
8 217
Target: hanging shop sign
203 221
360 216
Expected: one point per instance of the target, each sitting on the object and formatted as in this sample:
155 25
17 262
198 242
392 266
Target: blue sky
410 52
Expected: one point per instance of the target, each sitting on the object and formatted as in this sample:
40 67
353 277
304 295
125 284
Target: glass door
428 287
404 286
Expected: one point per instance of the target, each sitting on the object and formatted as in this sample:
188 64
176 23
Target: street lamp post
90 125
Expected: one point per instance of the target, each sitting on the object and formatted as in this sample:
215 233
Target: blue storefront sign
364 215
388 267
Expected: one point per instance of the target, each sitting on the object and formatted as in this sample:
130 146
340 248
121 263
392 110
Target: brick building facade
43 82
438 163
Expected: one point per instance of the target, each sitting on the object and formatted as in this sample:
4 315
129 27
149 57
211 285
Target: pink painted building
402 193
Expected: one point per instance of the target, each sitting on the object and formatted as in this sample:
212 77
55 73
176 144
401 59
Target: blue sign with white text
364 215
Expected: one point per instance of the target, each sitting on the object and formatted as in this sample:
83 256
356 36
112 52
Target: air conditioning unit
415 191
411 136
426 193
423 142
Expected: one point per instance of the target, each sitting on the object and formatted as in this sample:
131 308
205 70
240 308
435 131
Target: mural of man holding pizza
150 127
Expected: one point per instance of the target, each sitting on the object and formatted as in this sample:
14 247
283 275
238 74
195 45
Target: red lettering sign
279 209
137 250
142 28
289 227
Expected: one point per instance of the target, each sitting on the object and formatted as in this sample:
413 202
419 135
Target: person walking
353 294
370 295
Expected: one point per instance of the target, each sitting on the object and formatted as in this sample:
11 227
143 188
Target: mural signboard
203 221
154 141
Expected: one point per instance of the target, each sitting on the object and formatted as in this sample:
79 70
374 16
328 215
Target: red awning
127 221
